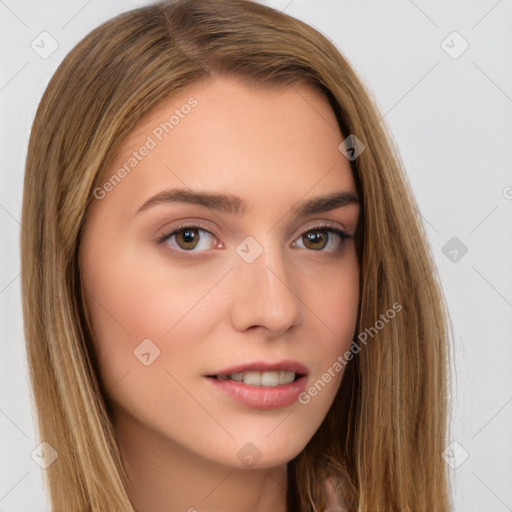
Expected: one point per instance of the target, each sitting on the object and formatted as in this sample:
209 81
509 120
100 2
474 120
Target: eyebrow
232 204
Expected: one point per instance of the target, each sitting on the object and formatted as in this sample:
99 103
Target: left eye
188 239
319 239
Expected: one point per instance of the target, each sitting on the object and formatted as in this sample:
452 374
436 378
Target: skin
210 309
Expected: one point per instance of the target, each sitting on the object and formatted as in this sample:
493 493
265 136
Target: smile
262 385
270 379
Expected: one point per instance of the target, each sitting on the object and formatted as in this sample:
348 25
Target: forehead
225 133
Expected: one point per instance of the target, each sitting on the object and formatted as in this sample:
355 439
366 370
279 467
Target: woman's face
213 248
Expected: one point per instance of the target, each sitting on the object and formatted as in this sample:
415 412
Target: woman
228 297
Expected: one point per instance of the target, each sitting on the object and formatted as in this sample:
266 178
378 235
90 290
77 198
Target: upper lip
263 366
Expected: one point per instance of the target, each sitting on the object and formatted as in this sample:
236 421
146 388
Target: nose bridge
267 295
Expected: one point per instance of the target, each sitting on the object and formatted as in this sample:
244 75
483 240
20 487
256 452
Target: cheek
335 306
340 303
335 302
128 307
148 330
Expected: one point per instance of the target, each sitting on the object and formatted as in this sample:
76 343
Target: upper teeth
274 378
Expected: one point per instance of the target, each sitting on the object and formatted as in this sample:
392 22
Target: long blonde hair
382 440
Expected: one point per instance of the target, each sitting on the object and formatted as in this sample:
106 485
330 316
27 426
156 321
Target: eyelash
322 227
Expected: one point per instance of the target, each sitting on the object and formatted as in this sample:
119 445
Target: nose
266 296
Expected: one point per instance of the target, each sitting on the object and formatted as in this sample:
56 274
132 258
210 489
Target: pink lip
261 366
262 397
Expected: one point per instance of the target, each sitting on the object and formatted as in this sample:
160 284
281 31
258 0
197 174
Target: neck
167 477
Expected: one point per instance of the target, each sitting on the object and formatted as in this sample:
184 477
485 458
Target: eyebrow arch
232 204
325 203
221 202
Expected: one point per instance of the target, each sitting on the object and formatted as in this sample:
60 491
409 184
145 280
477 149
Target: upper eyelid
166 232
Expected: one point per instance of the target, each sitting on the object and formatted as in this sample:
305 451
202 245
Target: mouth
266 378
263 386
261 374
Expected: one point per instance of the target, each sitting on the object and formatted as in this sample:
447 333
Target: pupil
188 236
314 237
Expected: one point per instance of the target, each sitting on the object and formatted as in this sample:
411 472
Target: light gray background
452 121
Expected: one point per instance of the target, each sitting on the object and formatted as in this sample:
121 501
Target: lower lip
262 397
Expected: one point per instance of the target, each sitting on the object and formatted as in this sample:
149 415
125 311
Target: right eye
189 239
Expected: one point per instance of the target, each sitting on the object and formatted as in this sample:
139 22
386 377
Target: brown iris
315 240
187 238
